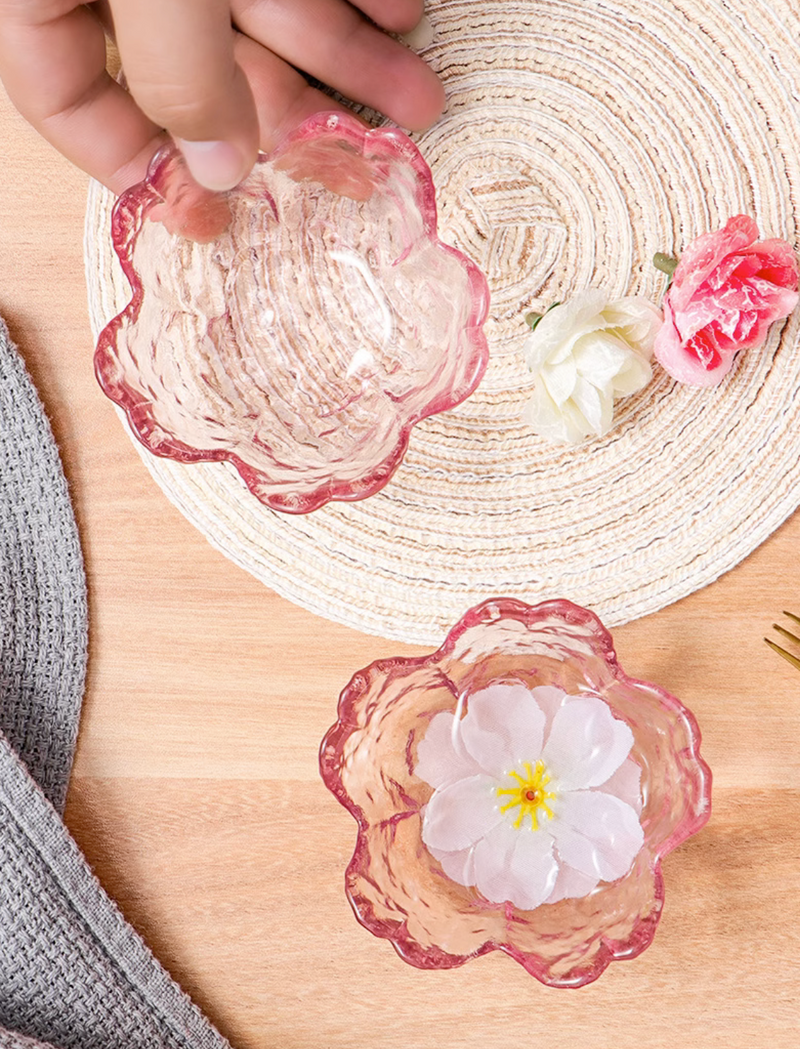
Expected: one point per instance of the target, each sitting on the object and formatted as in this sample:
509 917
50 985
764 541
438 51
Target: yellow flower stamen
531 795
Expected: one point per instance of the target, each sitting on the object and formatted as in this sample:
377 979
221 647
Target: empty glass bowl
299 325
514 791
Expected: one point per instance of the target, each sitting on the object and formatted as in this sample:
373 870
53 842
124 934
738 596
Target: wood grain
195 792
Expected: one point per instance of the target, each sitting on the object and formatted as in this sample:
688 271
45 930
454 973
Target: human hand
221 76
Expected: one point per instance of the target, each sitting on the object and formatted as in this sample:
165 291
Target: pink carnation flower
727 289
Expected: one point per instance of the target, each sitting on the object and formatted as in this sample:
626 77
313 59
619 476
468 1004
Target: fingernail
215 165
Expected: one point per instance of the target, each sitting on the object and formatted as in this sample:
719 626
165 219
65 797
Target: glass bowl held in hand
514 791
299 325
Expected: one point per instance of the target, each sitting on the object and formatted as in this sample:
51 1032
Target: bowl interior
299 325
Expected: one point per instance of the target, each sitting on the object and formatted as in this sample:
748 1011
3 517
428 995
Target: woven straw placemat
580 138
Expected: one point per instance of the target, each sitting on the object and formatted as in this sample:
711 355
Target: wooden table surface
195 792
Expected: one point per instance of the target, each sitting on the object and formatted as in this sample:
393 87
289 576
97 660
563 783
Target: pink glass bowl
298 326
367 759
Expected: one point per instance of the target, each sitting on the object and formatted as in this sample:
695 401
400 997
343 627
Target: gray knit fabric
73 973
12 1040
42 588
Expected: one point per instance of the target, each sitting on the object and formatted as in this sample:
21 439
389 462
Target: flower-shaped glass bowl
301 324
397 888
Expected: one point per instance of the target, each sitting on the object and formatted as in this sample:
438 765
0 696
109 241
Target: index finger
178 57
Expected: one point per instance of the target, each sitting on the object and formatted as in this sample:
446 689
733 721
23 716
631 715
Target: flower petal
596 834
635 320
461 813
515 865
560 379
438 762
586 744
706 252
634 376
559 326
458 866
596 406
571 884
549 699
545 418
679 362
777 262
503 726
626 784
599 356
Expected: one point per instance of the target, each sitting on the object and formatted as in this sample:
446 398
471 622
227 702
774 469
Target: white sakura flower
535 797
585 353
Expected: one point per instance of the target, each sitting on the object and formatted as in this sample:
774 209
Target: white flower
535 797
585 353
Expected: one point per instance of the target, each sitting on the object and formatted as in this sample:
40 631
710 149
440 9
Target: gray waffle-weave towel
42 587
73 973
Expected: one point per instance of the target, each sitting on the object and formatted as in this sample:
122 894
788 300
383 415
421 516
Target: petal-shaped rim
601 642
141 198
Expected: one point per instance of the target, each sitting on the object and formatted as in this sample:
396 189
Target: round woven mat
580 139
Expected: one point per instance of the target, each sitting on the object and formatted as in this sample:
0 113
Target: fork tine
786 633
782 652
792 616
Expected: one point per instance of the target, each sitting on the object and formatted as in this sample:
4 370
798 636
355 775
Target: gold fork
794 660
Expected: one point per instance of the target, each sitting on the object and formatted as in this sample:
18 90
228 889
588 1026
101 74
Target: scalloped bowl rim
141 421
492 610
